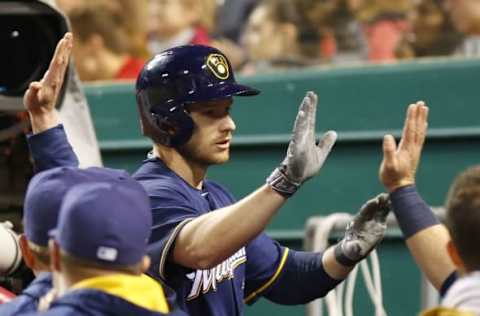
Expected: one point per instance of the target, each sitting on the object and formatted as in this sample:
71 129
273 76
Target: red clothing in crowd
130 69
5 296
200 36
383 38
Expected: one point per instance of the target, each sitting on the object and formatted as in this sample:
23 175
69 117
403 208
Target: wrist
280 183
399 184
41 121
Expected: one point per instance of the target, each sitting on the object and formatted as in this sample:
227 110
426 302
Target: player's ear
26 253
145 264
454 255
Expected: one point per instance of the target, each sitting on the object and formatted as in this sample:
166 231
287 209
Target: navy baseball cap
45 194
105 222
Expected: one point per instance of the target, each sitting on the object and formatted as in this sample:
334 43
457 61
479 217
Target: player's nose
228 124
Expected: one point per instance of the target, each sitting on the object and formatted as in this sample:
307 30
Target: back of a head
105 223
46 192
176 78
463 216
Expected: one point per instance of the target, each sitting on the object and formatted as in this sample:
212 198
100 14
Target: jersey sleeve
266 259
50 149
170 215
284 276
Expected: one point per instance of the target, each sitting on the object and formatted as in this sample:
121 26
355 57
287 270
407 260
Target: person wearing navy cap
42 204
98 252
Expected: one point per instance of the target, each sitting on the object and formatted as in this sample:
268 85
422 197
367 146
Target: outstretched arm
41 97
49 145
426 238
303 276
209 239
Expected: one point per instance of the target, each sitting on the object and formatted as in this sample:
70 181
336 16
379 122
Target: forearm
50 149
305 278
425 236
429 249
211 238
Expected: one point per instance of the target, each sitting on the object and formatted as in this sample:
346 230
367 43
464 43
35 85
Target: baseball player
40 216
98 251
209 248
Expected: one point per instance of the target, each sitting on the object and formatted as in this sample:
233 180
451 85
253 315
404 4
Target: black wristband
342 258
411 211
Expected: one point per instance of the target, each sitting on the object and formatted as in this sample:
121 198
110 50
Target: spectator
384 24
432 32
233 16
102 45
98 252
131 13
272 37
317 28
465 15
176 22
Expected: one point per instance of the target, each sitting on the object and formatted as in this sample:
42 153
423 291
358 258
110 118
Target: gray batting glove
304 157
364 232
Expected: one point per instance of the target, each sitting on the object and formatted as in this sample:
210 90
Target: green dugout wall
362 104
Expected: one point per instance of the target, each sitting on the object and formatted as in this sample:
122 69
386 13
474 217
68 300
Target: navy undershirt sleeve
283 275
50 149
303 280
411 211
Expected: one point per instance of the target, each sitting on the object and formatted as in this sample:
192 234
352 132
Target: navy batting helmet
175 78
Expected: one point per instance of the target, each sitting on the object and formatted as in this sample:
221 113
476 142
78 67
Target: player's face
210 142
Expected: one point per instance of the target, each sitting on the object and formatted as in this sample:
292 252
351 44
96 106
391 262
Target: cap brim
222 91
242 90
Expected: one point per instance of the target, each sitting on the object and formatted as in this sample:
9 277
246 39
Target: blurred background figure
272 37
432 32
259 35
465 15
384 24
232 17
102 48
178 22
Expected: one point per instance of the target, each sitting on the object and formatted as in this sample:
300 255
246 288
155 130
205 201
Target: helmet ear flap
180 124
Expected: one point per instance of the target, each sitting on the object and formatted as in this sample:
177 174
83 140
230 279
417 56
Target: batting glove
304 157
364 232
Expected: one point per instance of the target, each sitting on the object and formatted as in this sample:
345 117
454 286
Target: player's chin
221 157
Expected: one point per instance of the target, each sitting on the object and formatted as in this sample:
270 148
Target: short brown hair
463 216
98 19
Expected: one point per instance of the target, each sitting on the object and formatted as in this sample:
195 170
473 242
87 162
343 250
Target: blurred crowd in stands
113 38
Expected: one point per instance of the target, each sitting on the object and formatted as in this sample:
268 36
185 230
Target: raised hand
399 164
304 157
364 232
41 97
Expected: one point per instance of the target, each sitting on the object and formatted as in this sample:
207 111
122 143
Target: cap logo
107 253
218 65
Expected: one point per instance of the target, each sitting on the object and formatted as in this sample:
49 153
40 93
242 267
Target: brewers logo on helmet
175 78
